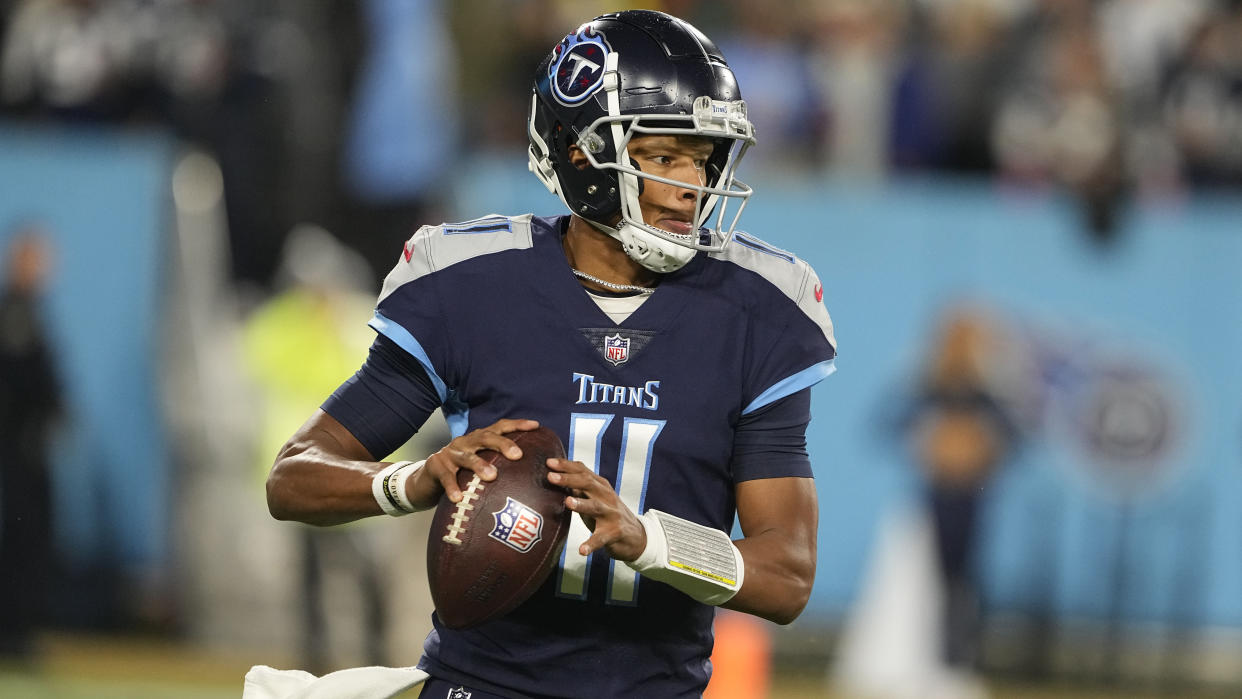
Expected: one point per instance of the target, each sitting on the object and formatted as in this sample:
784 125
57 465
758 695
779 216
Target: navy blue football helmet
628 74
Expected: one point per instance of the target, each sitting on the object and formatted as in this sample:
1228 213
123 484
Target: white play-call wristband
388 487
700 561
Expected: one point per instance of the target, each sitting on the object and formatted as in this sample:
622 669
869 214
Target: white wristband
700 561
397 483
388 487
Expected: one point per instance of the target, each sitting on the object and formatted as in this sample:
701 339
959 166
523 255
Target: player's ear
578 158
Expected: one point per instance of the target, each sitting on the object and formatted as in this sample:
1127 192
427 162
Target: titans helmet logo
577 68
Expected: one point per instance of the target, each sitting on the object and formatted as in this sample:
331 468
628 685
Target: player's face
681 158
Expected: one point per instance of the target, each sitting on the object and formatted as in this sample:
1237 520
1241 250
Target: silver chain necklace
645 290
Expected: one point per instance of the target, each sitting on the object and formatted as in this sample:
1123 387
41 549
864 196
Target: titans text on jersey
592 391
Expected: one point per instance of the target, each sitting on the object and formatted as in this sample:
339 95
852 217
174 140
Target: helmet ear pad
641 180
594 190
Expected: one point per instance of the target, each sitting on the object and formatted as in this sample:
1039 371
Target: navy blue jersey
493 313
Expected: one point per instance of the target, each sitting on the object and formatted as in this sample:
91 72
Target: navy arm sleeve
386 401
771 442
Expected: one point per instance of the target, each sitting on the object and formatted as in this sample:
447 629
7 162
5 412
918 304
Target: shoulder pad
784 270
433 248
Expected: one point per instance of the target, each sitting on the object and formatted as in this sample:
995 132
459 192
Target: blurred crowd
352 115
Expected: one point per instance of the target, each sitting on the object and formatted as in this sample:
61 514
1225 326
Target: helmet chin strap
652 252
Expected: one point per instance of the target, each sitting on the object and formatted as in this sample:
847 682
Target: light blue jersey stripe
457 420
791 385
456 414
760 246
496 226
401 336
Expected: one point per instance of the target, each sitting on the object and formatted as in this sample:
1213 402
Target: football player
672 354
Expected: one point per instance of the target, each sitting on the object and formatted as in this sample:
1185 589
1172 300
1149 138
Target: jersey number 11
586 435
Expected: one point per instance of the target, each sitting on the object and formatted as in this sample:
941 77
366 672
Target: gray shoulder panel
784 270
433 248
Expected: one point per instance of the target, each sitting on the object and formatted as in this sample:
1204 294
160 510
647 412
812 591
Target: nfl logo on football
616 348
517 526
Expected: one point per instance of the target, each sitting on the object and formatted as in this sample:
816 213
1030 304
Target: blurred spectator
854 58
1203 99
403 127
300 345
117 61
496 44
274 124
312 54
70 58
948 84
1060 121
30 404
959 432
1140 40
914 630
766 48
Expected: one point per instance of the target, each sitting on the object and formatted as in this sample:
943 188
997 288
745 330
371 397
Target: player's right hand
439 474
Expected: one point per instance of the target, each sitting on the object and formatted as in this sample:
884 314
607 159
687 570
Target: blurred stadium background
1027 215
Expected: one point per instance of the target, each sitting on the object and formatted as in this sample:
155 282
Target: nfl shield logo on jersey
616 349
517 526
459 693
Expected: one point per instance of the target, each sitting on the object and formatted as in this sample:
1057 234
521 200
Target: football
488 553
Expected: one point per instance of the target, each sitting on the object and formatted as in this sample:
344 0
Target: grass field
86 667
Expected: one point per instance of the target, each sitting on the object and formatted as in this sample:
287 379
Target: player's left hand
615 528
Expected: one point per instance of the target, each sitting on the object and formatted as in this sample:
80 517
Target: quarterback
672 354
